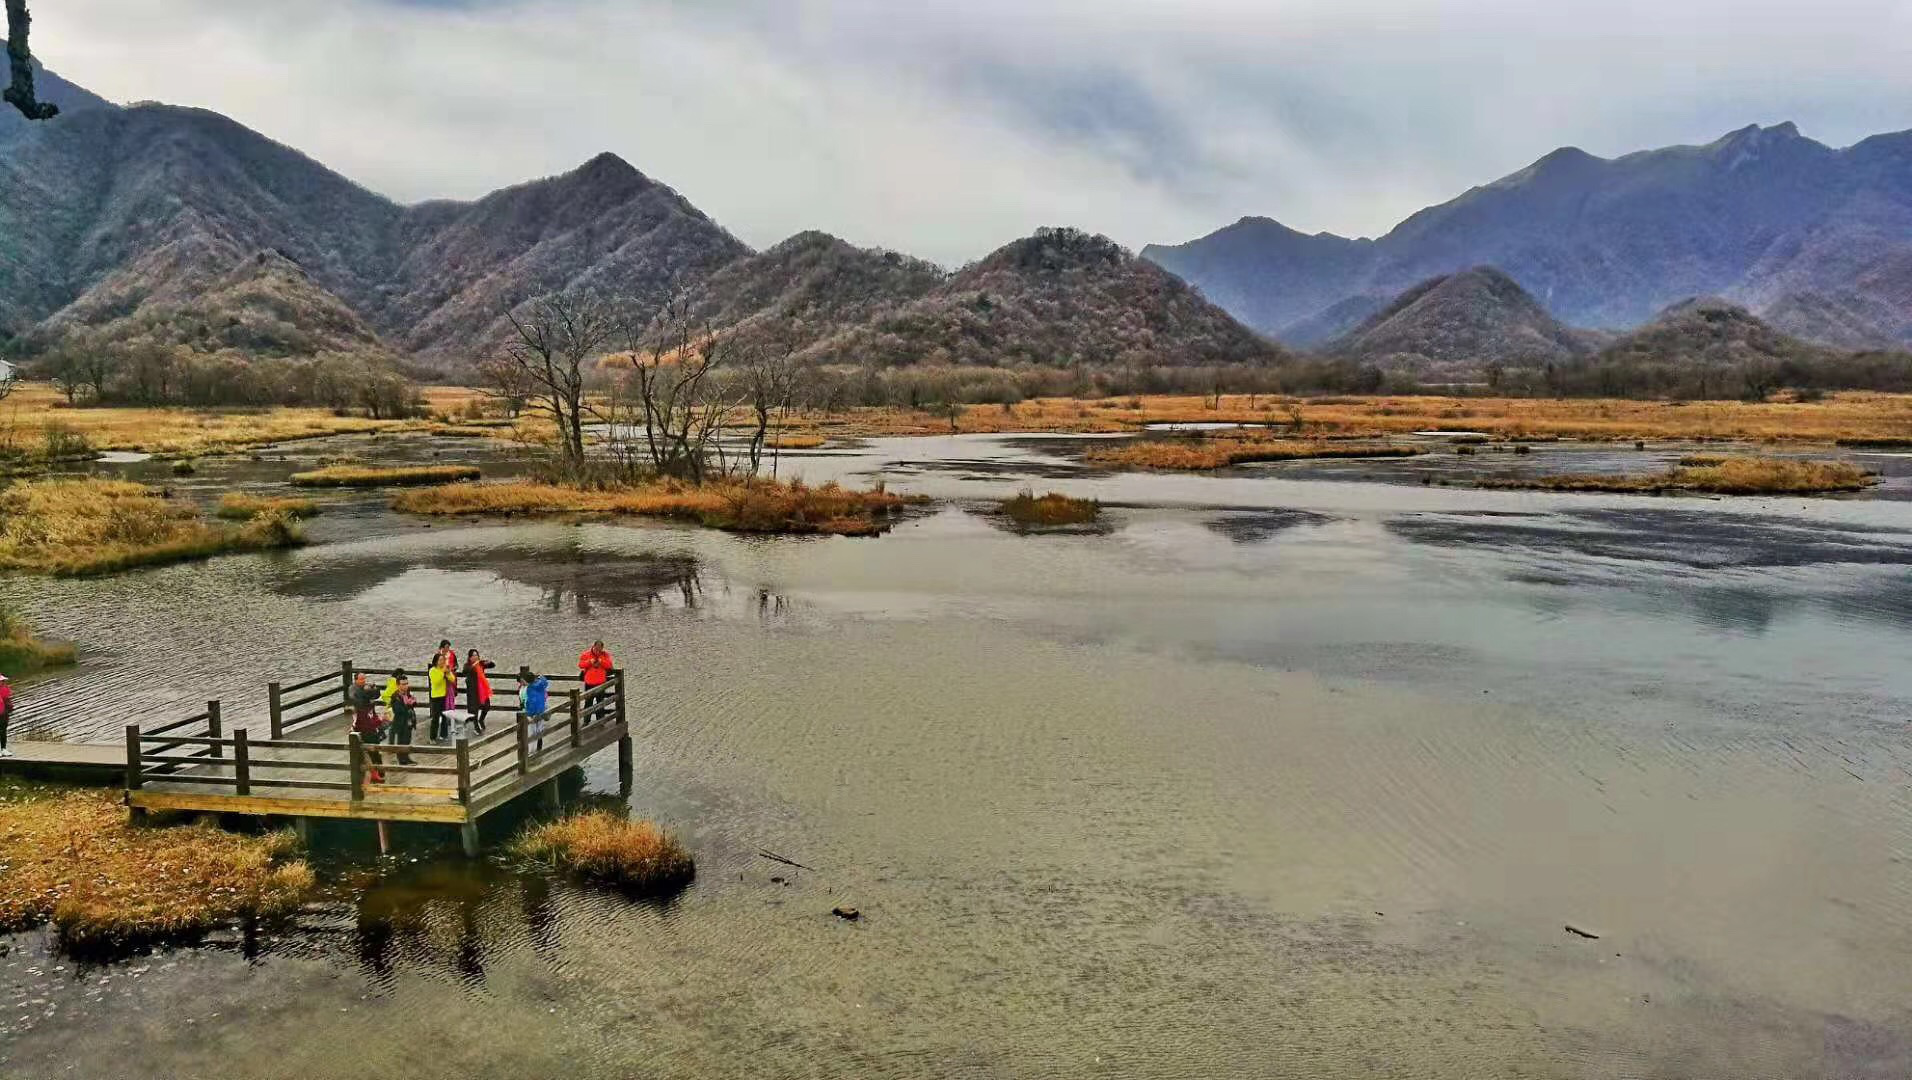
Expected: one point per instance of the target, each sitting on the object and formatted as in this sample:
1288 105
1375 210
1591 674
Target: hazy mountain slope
49 87
1337 320
1058 297
1708 330
106 198
1850 322
1474 316
1756 214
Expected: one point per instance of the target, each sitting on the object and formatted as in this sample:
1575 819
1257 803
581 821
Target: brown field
1217 453
634 855
1054 508
71 857
1716 476
70 528
186 431
1849 416
759 506
238 506
403 476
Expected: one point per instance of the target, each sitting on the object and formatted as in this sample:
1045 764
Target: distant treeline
148 372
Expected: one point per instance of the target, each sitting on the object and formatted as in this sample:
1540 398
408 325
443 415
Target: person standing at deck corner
366 723
477 689
595 664
6 714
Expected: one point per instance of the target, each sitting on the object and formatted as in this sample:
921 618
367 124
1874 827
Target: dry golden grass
1055 508
1716 476
400 476
71 857
1217 453
71 528
238 506
183 431
1849 416
794 442
634 855
757 506
22 653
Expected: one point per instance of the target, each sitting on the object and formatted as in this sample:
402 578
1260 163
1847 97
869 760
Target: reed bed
752 506
794 442
360 476
70 857
1715 476
1053 509
238 506
75 528
1219 453
185 431
637 856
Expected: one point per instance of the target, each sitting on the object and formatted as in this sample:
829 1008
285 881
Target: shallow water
1288 771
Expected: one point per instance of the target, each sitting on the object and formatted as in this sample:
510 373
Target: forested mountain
1709 331
122 219
1059 297
1756 215
1474 317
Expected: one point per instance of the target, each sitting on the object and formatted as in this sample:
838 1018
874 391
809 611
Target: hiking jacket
439 680
536 696
596 667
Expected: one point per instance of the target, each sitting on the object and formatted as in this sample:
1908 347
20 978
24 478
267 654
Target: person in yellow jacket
443 679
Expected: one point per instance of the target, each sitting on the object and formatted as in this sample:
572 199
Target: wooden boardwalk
100 763
311 765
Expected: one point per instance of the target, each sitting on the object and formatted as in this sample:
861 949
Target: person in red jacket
6 714
595 665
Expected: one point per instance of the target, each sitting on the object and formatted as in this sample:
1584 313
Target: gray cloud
946 129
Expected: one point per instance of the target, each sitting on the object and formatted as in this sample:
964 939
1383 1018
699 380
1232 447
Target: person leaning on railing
596 665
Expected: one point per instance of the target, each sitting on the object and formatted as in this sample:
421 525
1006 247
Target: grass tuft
237 506
1714 476
401 476
1055 508
635 855
1219 453
754 506
74 528
71 858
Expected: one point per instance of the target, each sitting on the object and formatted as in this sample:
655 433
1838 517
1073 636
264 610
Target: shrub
59 442
635 855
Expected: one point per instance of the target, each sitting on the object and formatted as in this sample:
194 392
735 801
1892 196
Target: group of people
446 679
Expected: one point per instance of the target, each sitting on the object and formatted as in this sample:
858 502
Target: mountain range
1818 239
184 226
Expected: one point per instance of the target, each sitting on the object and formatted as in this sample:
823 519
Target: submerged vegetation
400 476
747 506
238 506
1217 453
1716 476
72 528
71 858
599 845
22 653
1052 509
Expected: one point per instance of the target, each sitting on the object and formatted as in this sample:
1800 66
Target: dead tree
677 396
19 93
769 378
546 366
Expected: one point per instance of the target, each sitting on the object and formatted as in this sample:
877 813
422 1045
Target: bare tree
676 397
546 366
769 377
19 93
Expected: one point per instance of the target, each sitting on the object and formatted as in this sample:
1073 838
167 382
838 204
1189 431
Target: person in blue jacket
534 700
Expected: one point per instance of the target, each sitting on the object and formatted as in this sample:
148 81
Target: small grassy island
72 528
1713 475
637 856
734 505
1194 455
238 506
1053 509
360 476
69 857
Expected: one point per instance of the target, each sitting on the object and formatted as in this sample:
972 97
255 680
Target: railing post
213 726
241 762
618 674
358 767
524 745
345 683
464 771
577 720
273 696
133 777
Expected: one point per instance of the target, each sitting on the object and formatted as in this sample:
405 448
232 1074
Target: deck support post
302 828
468 838
463 746
553 798
625 763
241 762
384 837
133 778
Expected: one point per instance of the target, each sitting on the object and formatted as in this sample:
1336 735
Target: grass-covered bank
638 856
71 528
22 653
238 506
1711 475
1196 454
399 476
70 857
745 506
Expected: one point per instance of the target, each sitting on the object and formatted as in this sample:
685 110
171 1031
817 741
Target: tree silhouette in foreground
20 61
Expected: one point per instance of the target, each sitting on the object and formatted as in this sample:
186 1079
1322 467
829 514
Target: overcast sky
946 129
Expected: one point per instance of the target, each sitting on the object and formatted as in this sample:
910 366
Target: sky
947 129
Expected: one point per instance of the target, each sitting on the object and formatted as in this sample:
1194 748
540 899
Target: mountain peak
608 165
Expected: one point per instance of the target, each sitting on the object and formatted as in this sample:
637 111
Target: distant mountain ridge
1756 215
121 218
1472 317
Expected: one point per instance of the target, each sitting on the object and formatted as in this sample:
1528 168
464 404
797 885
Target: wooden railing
477 768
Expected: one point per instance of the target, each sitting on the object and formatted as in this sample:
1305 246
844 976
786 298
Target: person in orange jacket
595 665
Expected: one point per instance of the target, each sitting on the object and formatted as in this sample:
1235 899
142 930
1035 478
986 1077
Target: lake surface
1290 771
